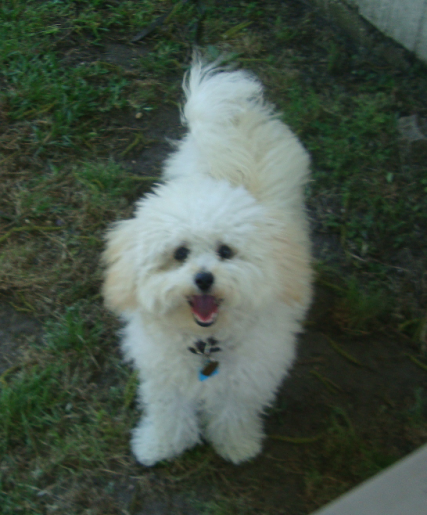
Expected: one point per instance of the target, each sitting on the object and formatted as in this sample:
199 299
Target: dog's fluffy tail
234 135
216 97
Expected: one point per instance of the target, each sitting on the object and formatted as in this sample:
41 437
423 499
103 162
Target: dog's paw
146 450
236 435
151 444
240 450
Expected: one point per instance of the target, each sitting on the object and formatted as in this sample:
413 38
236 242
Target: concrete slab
399 490
405 21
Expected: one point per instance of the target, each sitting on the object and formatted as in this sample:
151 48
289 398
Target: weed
360 309
72 331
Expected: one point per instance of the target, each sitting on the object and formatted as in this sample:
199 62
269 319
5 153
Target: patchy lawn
84 117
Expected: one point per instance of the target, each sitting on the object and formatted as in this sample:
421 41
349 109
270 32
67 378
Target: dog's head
200 253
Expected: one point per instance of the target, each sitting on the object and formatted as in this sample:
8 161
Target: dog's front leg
168 426
234 427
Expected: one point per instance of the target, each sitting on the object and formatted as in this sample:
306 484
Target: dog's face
198 254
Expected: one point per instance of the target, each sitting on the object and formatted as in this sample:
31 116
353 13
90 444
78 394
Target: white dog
212 276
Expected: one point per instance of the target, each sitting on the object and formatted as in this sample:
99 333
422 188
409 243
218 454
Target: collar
205 348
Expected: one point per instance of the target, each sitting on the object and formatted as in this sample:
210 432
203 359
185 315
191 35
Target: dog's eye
181 253
224 252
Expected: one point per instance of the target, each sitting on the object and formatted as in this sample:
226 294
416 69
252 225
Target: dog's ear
119 258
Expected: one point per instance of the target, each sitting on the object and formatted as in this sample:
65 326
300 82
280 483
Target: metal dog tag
209 370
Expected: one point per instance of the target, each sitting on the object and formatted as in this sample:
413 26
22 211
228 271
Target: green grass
58 424
32 404
359 308
345 458
353 143
50 105
56 107
72 332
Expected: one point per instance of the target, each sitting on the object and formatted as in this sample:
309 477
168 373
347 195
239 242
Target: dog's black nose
204 280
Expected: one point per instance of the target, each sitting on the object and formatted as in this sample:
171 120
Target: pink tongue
204 306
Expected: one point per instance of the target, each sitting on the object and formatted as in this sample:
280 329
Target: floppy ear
119 288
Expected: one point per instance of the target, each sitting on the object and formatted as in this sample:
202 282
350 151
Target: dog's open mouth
204 309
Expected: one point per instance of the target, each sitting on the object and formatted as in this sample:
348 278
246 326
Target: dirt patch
124 55
16 329
163 127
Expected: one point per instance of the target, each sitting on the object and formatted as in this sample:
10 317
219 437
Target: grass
360 309
55 106
346 458
71 123
71 207
55 419
352 140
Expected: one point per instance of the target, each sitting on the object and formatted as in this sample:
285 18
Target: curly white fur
236 179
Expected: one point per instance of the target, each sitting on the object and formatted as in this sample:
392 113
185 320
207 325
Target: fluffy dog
212 275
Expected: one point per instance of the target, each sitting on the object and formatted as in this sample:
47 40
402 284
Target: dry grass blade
327 383
417 362
297 440
342 352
